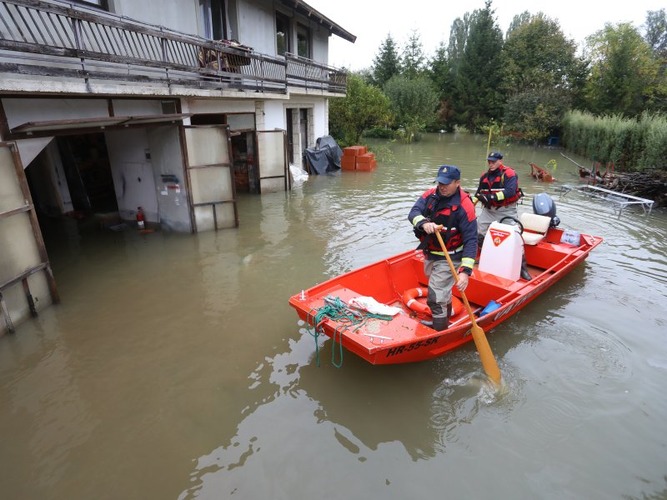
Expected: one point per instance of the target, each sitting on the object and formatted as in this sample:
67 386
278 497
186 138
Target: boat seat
535 227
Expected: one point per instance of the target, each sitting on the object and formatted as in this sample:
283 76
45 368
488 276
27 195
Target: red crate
348 163
354 150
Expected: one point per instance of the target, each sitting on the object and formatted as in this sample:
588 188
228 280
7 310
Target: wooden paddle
488 360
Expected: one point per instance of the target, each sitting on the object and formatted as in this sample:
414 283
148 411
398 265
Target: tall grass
628 144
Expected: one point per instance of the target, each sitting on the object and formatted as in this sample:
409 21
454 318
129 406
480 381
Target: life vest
442 215
488 186
411 296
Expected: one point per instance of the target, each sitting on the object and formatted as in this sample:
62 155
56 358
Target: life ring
411 295
410 300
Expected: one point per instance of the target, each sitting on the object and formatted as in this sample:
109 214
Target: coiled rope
348 319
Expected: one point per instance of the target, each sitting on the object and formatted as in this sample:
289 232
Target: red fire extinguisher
140 218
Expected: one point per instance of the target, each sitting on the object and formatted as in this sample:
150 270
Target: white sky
372 20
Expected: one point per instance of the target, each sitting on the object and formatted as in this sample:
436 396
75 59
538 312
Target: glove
486 199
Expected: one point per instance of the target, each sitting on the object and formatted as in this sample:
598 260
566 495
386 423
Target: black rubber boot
524 270
440 323
480 240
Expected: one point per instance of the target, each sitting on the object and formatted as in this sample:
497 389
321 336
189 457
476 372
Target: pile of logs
650 183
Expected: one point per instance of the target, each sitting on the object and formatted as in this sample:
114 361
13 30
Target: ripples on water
212 389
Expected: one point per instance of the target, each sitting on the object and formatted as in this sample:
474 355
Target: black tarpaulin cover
325 157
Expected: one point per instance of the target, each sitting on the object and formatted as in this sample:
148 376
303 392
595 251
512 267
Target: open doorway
246 179
88 172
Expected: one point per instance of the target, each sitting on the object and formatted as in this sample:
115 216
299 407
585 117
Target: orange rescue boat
368 310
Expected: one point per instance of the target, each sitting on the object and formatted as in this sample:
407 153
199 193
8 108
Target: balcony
54 41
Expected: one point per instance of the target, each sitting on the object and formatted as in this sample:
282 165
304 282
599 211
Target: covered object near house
325 157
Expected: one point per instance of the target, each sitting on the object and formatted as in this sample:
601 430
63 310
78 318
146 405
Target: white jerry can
502 251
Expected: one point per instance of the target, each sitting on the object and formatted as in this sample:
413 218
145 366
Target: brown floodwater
174 367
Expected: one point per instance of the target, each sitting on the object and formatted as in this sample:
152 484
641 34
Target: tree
386 63
413 57
365 106
441 74
413 102
542 75
534 114
476 97
536 54
624 72
656 37
656 32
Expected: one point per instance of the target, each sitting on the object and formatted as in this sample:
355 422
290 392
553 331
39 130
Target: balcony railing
58 40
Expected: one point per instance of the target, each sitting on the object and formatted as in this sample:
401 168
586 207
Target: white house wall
257 26
134 107
256 22
197 106
132 173
274 115
19 111
167 161
320 45
180 16
30 148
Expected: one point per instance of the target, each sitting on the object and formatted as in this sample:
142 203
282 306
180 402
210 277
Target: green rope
335 309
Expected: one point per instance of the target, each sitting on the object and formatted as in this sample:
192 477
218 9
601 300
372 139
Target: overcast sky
371 21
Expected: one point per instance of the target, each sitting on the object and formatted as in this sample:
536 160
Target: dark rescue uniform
457 216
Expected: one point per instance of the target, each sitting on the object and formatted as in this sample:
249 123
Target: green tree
476 98
413 58
386 63
542 75
534 114
365 106
656 37
413 102
442 76
443 70
656 32
624 72
537 54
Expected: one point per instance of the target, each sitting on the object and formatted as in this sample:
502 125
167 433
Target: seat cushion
535 227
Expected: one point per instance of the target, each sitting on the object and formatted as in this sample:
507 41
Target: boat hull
402 338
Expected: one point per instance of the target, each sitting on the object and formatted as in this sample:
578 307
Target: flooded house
160 113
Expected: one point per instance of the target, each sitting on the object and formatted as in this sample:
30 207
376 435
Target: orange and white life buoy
410 300
411 295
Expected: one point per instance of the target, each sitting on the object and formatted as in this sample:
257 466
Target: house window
303 41
102 4
282 34
214 16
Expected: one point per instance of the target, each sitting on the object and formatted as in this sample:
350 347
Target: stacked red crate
349 158
358 158
366 162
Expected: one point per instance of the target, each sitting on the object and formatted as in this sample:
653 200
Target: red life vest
488 186
443 215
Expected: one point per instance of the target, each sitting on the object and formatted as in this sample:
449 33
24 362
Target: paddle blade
486 355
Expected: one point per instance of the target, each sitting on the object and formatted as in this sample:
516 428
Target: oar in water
486 355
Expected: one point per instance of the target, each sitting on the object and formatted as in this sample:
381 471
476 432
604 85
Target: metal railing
59 40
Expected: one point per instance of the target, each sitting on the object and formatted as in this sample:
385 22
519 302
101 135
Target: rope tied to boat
348 318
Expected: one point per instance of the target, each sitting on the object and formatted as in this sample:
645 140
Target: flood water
175 369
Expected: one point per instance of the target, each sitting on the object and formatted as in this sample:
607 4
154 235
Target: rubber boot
524 269
480 241
440 323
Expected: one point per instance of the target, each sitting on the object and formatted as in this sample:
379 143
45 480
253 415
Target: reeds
628 144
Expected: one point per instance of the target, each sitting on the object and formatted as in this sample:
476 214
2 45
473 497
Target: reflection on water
174 367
